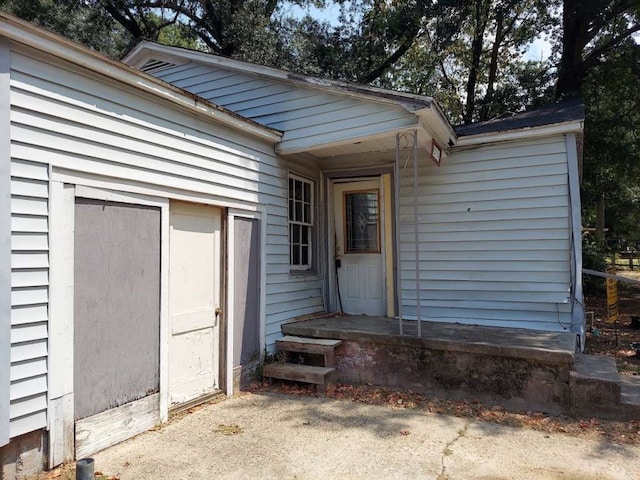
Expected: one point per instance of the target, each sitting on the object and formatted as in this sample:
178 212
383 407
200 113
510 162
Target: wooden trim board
5 240
105 429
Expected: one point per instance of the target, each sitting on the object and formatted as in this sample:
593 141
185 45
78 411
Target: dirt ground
270 435
612 339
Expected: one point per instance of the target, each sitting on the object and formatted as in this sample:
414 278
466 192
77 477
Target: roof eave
434 119
574 126
26 34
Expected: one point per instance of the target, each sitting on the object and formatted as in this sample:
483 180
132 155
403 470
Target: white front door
358 219
194 297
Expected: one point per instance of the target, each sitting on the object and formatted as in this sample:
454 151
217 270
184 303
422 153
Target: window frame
306 267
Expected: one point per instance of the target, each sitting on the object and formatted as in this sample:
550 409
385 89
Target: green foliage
76 20
593 258
265 359
612 142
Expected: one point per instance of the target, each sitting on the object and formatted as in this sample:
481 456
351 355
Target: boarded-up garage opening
116 304
246 302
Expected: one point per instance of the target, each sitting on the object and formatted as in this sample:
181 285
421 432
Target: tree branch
593 57
391 59
126 21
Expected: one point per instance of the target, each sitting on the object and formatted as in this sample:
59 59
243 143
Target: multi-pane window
300 222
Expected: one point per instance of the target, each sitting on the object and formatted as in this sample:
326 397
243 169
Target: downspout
396 194
577 299
416 238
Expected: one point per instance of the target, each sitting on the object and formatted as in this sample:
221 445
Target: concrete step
595 385
630 395
320 376
630 389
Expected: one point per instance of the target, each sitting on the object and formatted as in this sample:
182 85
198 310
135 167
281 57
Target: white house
161 218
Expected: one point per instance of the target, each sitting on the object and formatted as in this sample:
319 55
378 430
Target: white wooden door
358 220
194 297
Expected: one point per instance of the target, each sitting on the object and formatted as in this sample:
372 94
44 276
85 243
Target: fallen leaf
228 429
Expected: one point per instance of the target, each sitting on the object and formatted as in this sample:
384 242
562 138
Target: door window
362 222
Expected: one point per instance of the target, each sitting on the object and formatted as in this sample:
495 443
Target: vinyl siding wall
494 233
29 295
72 121
308 117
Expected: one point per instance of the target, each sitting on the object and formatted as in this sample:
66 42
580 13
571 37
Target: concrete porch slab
552 347
519 368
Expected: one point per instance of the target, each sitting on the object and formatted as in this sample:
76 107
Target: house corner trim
577 306
5 240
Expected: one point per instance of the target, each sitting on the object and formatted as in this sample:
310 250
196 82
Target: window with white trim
300 222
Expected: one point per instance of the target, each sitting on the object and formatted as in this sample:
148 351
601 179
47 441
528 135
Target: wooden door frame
387 237
61 421
232 214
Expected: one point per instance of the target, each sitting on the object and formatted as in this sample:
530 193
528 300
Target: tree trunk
485 112
476 56
574 39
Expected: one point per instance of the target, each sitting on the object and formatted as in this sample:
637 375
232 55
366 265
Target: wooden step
319 376
321 346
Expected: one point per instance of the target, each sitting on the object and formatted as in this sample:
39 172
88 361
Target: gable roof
567 111
25 33
408 100
166 62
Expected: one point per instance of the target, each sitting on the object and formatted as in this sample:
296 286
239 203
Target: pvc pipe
85 469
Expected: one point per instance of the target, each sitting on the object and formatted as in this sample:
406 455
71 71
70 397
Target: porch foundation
517 368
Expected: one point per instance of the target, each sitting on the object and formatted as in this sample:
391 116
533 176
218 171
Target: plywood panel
116 304
246 289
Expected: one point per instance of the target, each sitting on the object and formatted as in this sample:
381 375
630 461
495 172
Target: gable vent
152 66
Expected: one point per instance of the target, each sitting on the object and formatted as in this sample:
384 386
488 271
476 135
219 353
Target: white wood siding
29 295
67 119
493 227
309 118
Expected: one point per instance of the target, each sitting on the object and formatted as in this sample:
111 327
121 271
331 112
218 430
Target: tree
246 29
591 29
75 19
469 55
612 147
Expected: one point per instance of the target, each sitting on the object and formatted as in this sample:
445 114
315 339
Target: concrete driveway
273 436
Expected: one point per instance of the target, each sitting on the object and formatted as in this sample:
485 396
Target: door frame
61 418
387 236
232 214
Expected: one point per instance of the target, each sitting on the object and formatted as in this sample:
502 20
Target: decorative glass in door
362 222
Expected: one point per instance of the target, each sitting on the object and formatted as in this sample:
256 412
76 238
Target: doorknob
218 311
